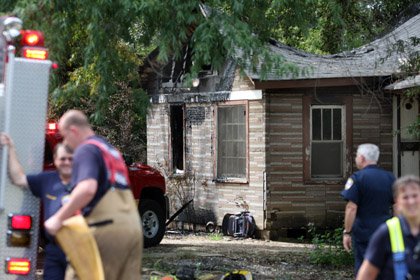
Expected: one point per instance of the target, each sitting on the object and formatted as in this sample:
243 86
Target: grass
215 236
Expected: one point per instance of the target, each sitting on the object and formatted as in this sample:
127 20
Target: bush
328 248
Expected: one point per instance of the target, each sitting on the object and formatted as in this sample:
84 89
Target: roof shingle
370 60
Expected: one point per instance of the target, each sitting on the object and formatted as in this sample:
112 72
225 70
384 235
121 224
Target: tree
97 58
100 44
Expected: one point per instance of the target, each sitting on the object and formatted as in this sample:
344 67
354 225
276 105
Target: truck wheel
153 219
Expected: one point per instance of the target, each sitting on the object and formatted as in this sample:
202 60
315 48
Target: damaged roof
409 82
370 60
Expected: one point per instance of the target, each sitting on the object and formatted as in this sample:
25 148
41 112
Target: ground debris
210 256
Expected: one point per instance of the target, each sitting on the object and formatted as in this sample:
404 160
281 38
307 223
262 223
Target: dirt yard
208 256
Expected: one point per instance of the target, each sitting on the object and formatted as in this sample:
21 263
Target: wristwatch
347 232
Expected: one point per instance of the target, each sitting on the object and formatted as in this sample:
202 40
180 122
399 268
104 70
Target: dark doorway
177 138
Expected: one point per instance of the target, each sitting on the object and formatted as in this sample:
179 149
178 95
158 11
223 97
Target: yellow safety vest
398 248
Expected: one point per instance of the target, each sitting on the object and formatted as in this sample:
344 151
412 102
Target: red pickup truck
147 184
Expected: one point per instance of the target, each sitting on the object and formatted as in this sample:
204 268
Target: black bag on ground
238 225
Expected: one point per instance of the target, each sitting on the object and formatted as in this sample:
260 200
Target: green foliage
215 236
328 248
100 44
92 36
414 128
125 117
218 30
410 55
98 64
331 26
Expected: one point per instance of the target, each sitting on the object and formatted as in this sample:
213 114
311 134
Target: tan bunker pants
115 224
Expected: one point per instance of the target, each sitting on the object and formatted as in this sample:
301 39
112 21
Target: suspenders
115 165
398 248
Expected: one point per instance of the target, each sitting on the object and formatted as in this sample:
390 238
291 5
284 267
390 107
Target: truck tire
153 219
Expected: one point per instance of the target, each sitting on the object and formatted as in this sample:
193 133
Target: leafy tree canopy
100 44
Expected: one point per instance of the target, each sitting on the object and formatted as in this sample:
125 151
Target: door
406 146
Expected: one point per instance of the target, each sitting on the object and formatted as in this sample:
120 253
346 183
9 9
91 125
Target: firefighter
53 188
368 193
394 250
104 197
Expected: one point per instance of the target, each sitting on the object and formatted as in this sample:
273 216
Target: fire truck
24 79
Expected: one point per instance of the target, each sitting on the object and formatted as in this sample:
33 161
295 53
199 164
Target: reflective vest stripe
395 235
398 248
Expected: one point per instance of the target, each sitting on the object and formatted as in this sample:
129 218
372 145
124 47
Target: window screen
231 142
326 141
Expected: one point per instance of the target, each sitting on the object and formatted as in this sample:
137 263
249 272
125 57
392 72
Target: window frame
344 101
238 180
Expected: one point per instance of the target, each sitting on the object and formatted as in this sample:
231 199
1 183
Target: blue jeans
55 263
359 250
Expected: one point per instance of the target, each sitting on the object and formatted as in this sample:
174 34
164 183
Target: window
327 141
327 136
231 142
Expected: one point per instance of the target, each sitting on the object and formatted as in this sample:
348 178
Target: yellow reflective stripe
395 235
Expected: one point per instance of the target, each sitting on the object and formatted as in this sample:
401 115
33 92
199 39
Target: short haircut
369 151
403 182
76 118
58 146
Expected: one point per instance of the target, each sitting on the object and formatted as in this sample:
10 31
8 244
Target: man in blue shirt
368 193
52 187
100 189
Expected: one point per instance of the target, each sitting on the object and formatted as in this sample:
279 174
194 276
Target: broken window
327 141
177 138
231 142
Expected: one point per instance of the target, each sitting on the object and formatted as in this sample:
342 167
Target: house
283 146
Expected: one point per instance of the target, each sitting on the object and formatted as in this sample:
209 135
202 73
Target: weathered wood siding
251 192
158 136
288 196
292 202
373 124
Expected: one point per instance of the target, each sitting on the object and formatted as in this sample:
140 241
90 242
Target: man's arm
349 217
82 194
16 174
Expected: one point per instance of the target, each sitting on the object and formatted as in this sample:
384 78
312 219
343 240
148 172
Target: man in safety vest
394 249
101 191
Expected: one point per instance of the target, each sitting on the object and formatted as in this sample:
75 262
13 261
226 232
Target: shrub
328 248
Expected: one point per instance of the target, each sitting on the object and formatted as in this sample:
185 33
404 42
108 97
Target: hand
347 242
52 225
5 140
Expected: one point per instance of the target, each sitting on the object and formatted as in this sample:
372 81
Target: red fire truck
24 79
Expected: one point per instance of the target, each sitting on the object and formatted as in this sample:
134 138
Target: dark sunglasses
66 158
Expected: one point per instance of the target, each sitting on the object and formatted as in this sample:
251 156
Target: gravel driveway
208 256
